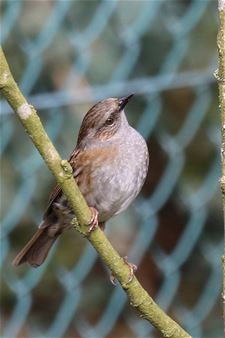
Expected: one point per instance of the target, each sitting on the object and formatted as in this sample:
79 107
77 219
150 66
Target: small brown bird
110 164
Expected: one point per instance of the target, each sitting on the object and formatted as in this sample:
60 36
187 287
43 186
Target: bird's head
104 119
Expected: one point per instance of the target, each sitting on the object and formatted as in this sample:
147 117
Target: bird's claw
132 267
112 279
94 220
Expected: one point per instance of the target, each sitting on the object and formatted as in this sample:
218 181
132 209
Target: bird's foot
94 220
132 267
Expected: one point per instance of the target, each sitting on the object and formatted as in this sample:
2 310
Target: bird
110 164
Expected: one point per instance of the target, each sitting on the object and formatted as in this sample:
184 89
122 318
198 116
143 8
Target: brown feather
36 250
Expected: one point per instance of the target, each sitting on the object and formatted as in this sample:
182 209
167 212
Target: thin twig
62 171
220 76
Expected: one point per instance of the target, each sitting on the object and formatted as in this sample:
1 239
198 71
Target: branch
220 76
62 171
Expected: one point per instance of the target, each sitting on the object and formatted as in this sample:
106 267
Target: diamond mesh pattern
65 56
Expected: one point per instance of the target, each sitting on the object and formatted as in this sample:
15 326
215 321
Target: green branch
220 76
62 171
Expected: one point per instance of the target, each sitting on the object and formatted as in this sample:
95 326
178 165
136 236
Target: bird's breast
116 182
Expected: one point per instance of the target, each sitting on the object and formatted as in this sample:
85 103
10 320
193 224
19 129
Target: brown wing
56 191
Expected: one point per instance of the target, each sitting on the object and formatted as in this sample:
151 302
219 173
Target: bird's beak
124 100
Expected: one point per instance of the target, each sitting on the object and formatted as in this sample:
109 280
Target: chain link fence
66 55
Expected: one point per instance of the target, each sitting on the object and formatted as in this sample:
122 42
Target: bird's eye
109 121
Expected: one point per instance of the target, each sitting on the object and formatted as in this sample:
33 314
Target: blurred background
65 56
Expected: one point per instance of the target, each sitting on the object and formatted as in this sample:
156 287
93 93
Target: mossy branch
62 171
220 76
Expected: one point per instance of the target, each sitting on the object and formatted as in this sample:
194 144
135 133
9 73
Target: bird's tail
36 250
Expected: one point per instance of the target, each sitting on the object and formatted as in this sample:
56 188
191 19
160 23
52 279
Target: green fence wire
66 55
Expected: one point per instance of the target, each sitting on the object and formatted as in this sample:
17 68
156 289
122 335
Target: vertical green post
220 75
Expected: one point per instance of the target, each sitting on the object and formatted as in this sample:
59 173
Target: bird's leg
94 220
132 267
